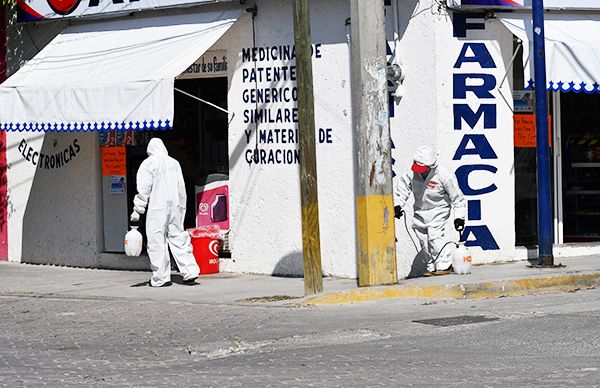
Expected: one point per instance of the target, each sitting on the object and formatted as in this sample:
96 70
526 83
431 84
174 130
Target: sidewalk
493 280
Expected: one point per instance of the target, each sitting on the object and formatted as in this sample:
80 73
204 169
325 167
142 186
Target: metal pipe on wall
545 256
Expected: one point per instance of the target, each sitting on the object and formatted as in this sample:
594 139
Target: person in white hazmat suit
436 192
161 195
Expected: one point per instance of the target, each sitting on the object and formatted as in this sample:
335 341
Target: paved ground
20 279
70 339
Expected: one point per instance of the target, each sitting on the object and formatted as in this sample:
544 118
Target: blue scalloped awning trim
150 125
568 87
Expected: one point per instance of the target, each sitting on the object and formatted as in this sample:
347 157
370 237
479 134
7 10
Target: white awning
109 75
572 49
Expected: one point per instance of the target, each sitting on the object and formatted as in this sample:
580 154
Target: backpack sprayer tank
461 259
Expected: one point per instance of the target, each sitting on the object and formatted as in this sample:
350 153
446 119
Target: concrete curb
494 289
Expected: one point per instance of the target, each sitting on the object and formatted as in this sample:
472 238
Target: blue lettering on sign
272 156
464 112
474 209
481 55
482 237
460 87
481 147
460 24
270 95
481 86
325 135
462 175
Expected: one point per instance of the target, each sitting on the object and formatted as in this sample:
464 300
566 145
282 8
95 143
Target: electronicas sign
524 4
36 10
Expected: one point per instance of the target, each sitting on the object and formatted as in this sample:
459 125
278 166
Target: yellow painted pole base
376 240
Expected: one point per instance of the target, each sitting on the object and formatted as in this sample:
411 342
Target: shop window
524 167
580 115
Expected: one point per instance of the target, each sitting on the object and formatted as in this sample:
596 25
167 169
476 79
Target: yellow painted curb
460 291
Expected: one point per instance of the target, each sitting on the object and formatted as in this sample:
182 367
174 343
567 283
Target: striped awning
110 75
572 49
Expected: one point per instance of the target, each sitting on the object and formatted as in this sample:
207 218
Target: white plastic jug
133 242
461 260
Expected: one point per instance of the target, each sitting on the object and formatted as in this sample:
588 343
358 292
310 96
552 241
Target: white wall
53 211
415 120
59 209
266 219
497 206
425 115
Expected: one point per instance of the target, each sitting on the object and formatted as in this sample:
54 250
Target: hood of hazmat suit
425 156
159 179
161 194
435 196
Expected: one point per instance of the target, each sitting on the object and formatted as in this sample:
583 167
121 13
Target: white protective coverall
434 197
161 190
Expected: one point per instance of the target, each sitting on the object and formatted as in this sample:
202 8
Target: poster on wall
524 133
114 161
123 138
523 101
118 184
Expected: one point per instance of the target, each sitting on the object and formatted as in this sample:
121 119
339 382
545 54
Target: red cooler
205 245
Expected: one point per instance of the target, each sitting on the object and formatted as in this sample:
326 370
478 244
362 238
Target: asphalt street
536 340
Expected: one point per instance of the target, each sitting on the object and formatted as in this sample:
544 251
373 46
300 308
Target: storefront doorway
580 175
198 141
572 75
576 173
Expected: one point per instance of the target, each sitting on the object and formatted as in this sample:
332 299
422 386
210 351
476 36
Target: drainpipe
545 256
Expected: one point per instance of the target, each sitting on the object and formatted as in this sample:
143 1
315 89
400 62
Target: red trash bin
205 245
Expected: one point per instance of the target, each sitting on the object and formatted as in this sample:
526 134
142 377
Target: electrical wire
204 101
410 235
441 250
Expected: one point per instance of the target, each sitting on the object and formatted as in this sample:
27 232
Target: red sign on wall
524 129
114 161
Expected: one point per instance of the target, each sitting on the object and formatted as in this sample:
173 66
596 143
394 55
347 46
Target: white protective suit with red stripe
435 196
161 190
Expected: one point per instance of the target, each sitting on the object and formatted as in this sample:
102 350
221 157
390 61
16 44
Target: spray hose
441 250
410 235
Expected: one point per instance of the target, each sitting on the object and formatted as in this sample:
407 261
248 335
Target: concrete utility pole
545 255
373 172
311 241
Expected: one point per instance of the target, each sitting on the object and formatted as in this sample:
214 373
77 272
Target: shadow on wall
59 222
418 266
290 265
404 17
